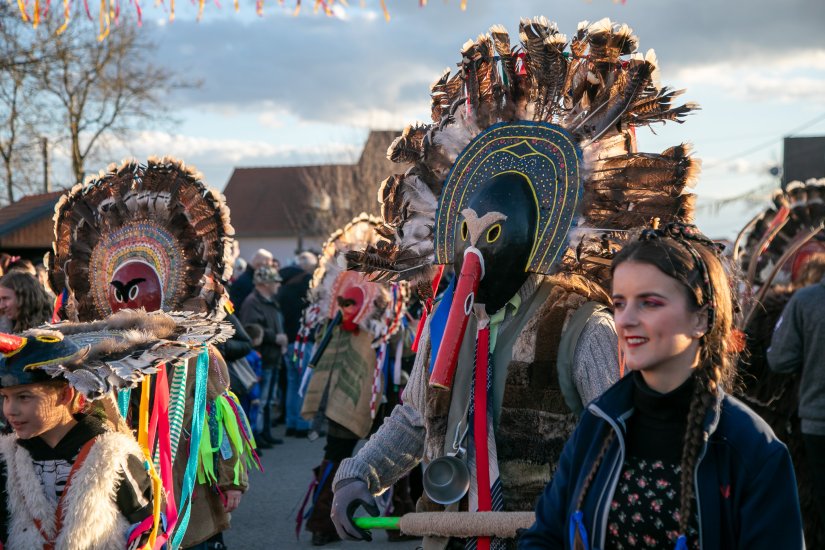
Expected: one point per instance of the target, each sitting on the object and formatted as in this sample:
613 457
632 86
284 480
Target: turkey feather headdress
561 115
150 236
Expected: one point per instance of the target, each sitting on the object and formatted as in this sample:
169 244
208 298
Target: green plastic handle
378 523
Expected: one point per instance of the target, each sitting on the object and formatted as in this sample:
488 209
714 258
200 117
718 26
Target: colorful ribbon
189 476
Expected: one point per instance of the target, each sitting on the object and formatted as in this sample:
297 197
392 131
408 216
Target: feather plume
439 96
165 193
597 91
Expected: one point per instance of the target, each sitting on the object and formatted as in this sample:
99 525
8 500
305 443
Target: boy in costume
73 480
155 236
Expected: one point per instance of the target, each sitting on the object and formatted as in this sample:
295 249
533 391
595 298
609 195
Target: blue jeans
293 383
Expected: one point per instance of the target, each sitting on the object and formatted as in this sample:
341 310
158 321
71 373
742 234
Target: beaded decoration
546 155
146 242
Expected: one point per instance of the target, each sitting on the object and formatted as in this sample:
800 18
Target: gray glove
348 497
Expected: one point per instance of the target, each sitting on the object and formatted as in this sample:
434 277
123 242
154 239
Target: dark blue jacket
744 480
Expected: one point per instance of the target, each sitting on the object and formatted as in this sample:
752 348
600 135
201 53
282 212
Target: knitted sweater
399 445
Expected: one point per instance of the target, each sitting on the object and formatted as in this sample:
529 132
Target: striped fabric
485 486
177 401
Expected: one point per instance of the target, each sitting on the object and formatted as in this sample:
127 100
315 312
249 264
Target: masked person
155 237
73 477
355 320
522 184
666 458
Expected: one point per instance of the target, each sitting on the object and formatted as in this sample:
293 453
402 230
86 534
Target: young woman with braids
666 458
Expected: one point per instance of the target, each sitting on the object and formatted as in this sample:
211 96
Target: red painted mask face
135 285
351 301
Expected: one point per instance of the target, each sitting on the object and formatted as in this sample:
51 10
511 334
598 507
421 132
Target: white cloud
798 77
234 151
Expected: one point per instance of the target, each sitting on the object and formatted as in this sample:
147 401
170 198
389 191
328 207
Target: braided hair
681 252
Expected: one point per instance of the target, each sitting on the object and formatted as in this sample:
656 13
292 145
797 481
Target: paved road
266 516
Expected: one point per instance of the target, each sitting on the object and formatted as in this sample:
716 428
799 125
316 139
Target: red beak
472 271
10 343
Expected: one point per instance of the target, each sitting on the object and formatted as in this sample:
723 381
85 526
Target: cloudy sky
282 90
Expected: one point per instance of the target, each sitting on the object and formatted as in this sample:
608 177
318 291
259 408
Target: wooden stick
454 524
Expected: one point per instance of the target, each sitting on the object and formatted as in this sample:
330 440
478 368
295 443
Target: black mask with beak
506 210
499 221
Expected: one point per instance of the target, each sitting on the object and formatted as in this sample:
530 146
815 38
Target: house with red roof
26 226
283 208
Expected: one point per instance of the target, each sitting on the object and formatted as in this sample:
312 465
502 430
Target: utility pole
44 148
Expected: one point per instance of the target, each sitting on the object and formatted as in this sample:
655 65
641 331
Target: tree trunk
9 182
77 158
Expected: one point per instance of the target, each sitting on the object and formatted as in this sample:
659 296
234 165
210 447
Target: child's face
34 409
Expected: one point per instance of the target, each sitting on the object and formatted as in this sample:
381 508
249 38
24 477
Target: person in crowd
666 458
261 307
244 284
237 269
24 303
67 480
798 345
252 401
292 297
42 276
22 264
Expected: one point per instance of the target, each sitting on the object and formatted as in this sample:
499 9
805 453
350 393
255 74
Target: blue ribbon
439 321
577 525
123 397
198 413
681 543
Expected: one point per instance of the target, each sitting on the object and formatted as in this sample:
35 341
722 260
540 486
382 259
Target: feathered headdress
383 305
588 94
142 235
98 357
775 244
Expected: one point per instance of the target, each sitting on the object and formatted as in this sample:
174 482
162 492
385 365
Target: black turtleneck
657 427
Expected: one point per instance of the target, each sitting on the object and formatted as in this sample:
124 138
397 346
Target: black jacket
292 297
267 313
242 287
239 345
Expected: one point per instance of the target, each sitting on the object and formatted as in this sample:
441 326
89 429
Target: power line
765 144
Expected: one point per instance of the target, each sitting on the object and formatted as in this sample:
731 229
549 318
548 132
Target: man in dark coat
243 285
261 307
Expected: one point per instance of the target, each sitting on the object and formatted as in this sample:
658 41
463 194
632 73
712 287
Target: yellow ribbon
143 441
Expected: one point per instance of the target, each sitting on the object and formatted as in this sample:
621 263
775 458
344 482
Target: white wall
283 248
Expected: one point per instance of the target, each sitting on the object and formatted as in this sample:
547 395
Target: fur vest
91 519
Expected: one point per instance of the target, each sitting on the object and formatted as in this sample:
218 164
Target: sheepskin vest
91 519
534 422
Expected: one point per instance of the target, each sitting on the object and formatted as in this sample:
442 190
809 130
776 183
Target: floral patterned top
644 512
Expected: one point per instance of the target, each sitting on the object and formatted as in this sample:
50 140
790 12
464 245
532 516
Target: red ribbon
485 498
159 426
428 306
